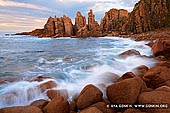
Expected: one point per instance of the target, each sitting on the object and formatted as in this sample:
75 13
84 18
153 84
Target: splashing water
71 63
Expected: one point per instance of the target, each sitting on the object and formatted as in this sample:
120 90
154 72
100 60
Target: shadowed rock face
148 15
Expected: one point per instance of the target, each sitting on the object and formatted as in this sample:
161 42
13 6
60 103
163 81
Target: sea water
66 61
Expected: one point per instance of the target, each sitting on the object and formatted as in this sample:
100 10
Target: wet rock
57 105
39 103
129 53
21 109
47 85
55 93
155 97
88 96
126 76
91 110
3 82
125 91
161 47
141 70
157 76
40 78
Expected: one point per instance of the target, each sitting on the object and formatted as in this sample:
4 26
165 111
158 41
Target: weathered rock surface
162 47
148 15
129 53
157 76
92 29
155 97
113 20
39 103
47 85
55 93
57 105
21 109
126 91
88 96
80 21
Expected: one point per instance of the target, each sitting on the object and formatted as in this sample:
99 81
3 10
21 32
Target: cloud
19 24
6 3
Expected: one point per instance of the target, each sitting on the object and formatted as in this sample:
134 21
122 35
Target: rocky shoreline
148 87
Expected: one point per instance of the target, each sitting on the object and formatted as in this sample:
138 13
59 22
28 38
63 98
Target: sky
26 15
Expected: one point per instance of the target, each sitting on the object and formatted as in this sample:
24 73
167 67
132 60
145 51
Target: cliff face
113 20
92 29
148 15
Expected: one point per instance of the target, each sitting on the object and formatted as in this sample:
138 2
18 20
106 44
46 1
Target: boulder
21 109
39 103
155 97
88 96
157 76
125 91
161 47
126 76
141 70
47 85
91 110
55 93
57 105
129 53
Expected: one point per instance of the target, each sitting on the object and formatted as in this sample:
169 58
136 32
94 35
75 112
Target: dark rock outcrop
80 21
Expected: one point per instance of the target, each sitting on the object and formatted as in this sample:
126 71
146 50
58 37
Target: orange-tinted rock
92 29
141 70
80 21
132 110
68 26
157 76
47 85
155 97
113 20
148 15
55 93
129 53
21 109
57 105
125 91
2 82
126 76
161 47
91 110
49 28
163 88
39 103
59 27
88 96
40 78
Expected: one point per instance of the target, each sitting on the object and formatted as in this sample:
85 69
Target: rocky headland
149 19
147 16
